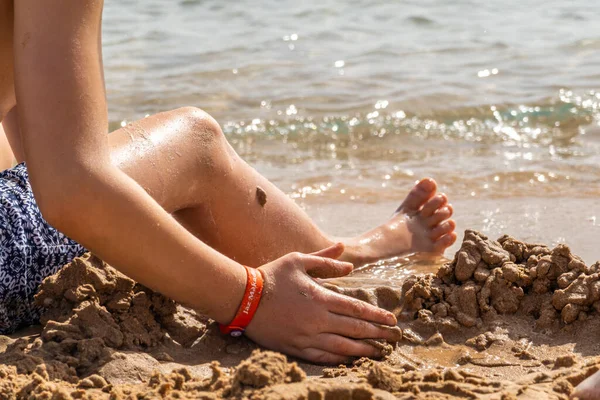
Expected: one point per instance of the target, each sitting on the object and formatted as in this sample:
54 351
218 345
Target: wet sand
503 319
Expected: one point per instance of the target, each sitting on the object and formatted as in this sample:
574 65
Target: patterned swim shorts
30 250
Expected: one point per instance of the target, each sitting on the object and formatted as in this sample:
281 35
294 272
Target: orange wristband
252 295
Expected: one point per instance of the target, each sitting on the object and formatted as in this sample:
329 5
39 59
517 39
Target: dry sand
503 320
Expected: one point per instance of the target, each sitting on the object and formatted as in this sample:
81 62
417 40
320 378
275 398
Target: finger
344 346
350 307
320 267
320 356
334 251
360 329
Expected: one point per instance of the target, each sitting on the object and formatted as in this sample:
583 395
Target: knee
202 129
204 139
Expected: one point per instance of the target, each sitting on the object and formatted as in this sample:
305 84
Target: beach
503 319
344 105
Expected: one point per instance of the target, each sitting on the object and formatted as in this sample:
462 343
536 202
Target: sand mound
487 278
89 299
92 309
505 319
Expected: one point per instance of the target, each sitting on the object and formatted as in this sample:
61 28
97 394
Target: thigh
6 154
10 124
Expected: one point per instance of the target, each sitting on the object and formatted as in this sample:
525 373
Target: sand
503 320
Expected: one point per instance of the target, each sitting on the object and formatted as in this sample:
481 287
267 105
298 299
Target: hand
299 317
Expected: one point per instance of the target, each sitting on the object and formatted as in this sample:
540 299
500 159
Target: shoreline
533 219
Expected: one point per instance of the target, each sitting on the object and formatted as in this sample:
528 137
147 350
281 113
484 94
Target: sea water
345 104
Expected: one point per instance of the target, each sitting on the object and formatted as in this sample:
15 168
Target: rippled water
349 102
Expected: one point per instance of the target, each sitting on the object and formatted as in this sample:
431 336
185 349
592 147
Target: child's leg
10 124
183 160
6 154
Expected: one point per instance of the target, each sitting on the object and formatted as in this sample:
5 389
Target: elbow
53 209
62 197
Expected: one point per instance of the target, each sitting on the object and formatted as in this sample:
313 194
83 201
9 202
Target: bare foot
588 389
421 224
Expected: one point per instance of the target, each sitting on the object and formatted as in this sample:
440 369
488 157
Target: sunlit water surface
344 104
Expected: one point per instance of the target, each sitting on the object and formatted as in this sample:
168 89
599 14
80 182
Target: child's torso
7 92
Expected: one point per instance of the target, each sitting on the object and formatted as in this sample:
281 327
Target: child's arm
63 122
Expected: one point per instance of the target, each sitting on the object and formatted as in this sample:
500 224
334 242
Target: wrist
236 286
248 306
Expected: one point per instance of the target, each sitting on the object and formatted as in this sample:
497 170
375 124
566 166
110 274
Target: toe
444 242
418 196
439 216
442 229
433 205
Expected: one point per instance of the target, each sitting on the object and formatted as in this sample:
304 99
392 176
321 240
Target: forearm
110 214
